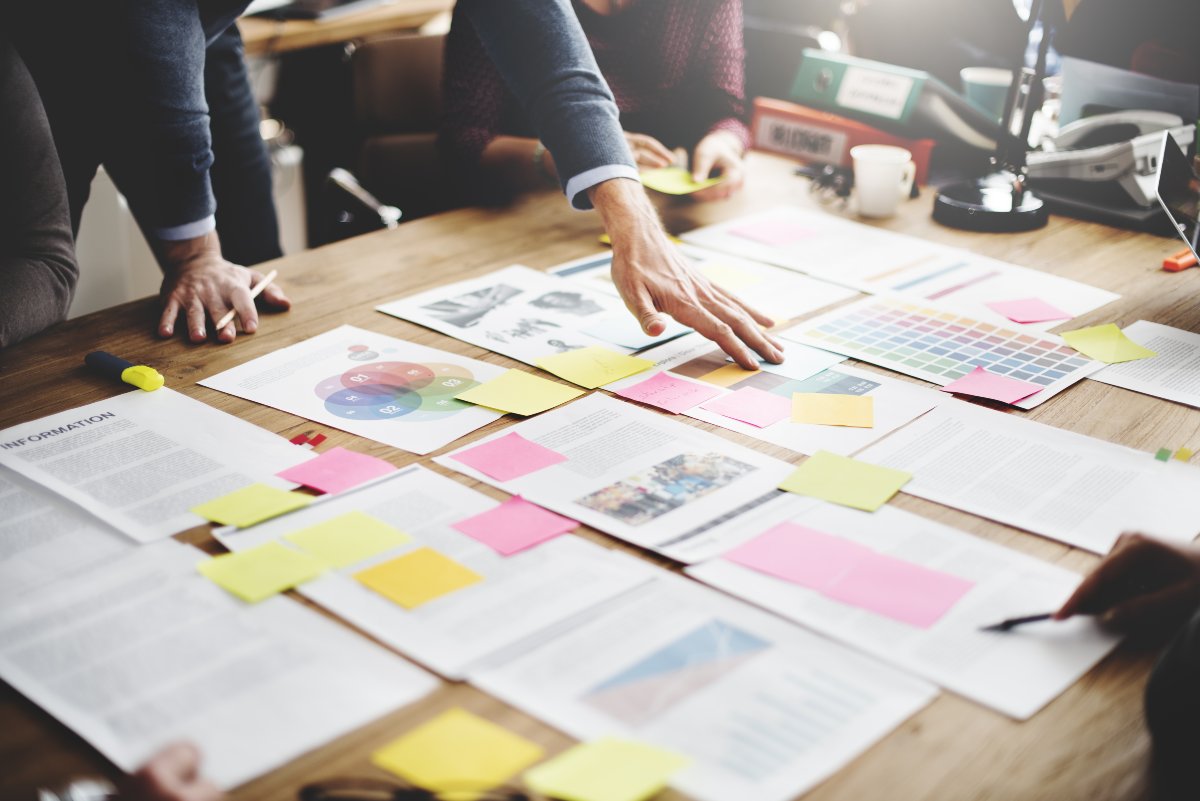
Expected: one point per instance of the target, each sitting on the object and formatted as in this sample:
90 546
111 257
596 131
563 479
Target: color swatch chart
940 345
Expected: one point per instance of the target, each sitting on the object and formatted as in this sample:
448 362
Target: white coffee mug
883 175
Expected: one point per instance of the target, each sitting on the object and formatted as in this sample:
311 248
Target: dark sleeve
166 171
723 78
473 95
541 51
37 252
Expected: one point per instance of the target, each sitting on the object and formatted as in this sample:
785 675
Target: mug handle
906 180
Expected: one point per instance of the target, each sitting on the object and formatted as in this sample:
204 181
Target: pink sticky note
337 470
982 384
515 525
1029 310
899 590
668 392
800 555
752 405
508 457
777 233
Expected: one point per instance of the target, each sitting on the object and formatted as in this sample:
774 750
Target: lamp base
996 203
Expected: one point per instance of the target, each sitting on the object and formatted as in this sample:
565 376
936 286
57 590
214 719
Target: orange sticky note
417 577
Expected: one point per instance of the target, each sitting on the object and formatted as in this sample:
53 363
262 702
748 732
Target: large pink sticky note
776 233
752 405
337 470
899 590
668 392
800 555
515 525
1029 310
982 384
508 457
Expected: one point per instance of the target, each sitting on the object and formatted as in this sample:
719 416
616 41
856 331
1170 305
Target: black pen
1013 622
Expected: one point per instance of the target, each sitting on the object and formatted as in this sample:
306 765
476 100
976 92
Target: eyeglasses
377 790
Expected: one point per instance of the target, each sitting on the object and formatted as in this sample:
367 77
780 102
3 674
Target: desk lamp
1000 201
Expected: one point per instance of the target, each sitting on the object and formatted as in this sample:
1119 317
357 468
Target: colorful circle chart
396 391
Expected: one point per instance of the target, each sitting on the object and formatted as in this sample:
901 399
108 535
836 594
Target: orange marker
1180 261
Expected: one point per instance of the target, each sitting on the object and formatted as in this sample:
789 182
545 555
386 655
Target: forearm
36 293
626 211
540 49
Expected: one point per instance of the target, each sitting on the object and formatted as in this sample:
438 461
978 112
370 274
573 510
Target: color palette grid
941 346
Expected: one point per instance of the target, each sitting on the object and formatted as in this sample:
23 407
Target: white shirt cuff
578 185
187 230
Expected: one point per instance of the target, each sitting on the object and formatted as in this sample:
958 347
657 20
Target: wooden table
1089 743
264 36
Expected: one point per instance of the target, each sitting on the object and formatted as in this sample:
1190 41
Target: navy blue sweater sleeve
543 54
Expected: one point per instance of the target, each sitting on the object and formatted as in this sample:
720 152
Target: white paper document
43 537
518 595
141 460
779 293
764 710
895 403
527 314
1173 374
1066 486
658 483
877 261
375 386
146 652
1016 672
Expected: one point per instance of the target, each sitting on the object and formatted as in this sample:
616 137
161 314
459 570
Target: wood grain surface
1089 743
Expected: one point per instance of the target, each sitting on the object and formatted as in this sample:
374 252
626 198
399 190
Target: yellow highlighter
139 375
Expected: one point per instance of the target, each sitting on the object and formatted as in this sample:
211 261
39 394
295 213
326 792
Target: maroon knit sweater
676 69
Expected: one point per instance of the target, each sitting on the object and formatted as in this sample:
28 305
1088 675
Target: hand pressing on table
173 774
654 280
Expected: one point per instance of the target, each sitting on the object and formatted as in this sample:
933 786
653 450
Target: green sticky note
593 366
250 505
346 539
1105 343
840 479
417 577
676 181
1163 455
458 751
260 572
520 393
606 770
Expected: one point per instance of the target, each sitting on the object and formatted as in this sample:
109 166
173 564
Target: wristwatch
539 165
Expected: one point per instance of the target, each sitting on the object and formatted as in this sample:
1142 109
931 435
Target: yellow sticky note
1184 454
830 409
727 376
343 540
250 505
520 393
840 479
417 577
728 277
593 366
260 572
1105 343
606 770
676 181
458 751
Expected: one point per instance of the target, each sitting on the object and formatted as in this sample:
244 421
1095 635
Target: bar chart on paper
939 345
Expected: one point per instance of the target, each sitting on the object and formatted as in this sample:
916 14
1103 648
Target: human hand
198 280
654 279
1143 584
173 774
648 152
720 151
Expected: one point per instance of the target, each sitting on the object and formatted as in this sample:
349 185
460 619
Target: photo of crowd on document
665 487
